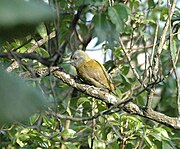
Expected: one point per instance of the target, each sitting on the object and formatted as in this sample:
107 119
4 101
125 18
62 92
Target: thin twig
153 50
151 91
150 98
93 123
131 64
162 40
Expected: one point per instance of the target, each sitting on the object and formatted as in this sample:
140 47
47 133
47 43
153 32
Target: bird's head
79 58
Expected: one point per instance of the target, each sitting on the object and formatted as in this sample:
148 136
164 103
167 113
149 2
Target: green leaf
164 14
150 143
21 144
135 4
162 132
42 52
19 17
82 100
14 12
114 145
118 15
103 29
125 69
119 93
166 145
151 4
33 119
125 79
84 29
70 145
18 100
68 133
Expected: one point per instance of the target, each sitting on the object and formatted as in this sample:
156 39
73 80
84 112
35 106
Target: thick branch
153 115
108 98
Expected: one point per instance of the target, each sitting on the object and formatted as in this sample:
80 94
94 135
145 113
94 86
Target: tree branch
32 49
153 115
173 60
162 40
108 98
33 56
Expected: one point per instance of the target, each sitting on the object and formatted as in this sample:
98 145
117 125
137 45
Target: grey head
79 57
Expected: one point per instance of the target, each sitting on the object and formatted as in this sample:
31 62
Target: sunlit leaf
70 145
119 93
68 133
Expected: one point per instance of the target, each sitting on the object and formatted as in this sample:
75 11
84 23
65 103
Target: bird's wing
97 73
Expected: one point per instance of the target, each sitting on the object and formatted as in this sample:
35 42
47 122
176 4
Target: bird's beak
72 62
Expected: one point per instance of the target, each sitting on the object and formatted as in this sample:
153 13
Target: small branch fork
117 103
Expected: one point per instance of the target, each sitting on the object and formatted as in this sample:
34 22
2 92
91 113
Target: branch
66 78
162 40
130 62
32 56
124 104
173 122
30 50
173 61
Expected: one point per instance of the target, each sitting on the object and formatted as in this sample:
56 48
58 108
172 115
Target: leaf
82 100
20 143
164 14
20 17
68 133
162 132
23 12
33 119
103 29
148 141
84 29
134 5
125 79
166 145
151 4
42 52
119 93
114 145
70 145
118 15
18 100
125 69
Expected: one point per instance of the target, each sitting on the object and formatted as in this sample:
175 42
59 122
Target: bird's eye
74 58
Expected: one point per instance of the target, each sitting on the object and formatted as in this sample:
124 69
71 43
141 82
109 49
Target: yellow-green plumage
91 71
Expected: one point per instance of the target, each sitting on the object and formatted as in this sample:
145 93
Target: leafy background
24 120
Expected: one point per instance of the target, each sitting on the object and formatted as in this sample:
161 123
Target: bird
91 71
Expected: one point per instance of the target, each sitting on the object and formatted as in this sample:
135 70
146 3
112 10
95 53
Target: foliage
21 102
76 23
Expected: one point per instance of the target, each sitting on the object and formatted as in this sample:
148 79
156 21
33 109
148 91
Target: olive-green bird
91 71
